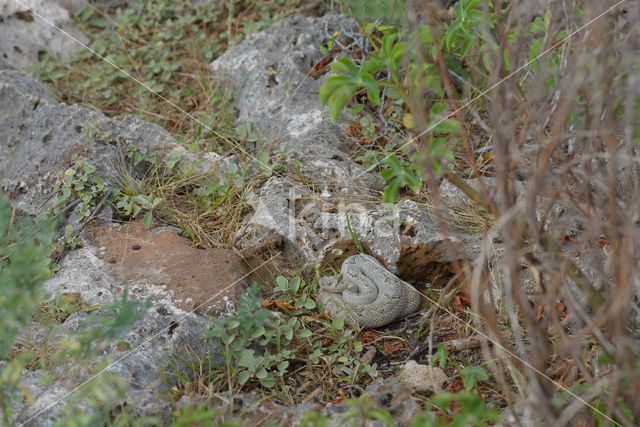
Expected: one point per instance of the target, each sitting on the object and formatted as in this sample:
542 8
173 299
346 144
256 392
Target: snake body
367 294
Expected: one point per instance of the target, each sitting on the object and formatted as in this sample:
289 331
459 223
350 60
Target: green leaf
309 304
268 382
384 416
305 333
448 126
288 334
390 194
147 220
246 359
258 332
294 284
338 323
440 356
472 375
262 373
282 284
442 400
338 100
282 366
373 92
172 158
243 377
344 65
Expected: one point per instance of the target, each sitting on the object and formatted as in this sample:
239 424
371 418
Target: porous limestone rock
41 137
25 36
278 98
312 229
423 377
157 339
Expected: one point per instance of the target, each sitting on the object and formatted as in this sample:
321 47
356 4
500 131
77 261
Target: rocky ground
303 213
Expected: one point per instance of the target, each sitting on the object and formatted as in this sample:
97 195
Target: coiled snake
367 294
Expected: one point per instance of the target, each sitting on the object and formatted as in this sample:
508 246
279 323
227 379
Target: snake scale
367 294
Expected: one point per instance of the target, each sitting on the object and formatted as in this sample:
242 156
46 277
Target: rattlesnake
367 294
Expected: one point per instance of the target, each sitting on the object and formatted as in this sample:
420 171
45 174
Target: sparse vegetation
432 98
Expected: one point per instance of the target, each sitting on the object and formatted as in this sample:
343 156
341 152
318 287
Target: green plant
274 336
397 80
57 309
471 408
200 415
399 176
261 347
296 291
24 265
440 357
363 409
388 11
82 190
206 206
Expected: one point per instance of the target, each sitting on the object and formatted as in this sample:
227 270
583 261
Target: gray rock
25 36
25 84
278 98
390 394
313 229
156 342
41 137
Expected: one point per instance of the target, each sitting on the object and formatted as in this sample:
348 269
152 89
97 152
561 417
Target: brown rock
200 280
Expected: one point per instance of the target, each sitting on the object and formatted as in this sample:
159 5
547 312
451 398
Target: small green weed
263 348
400 90
24 265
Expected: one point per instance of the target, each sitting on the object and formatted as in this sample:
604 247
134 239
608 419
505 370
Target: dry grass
569 128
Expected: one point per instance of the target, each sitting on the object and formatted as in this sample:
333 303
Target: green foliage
255 325
401 72
200 415
400 77
440 357
80 184
388 11
260 346
295 290
24 265
399 176
338 89
598 407
363 409
471 408
471 375
465 32
59 308
101 395
348 79
114 321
